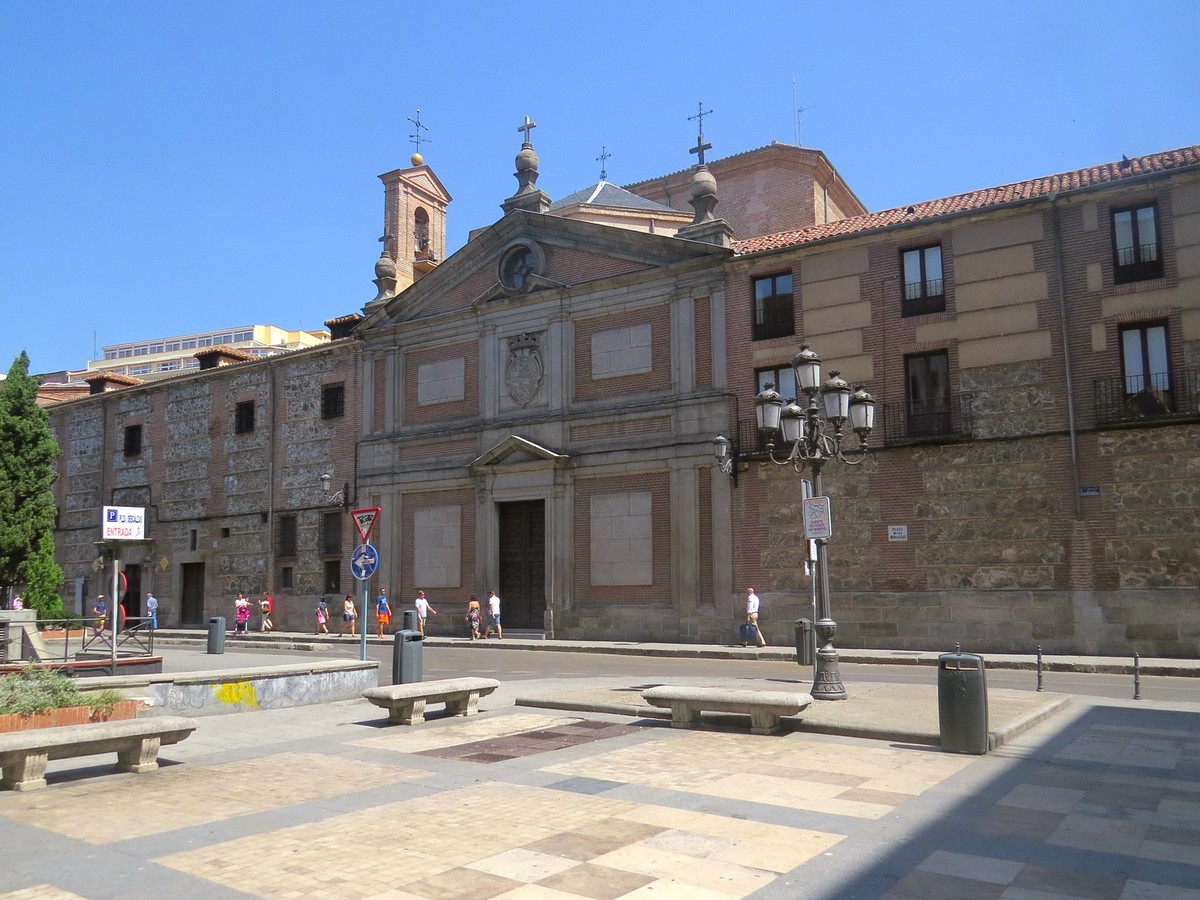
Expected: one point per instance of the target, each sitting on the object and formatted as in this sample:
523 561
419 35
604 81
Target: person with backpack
322 617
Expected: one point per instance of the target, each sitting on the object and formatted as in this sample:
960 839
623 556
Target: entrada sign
124 523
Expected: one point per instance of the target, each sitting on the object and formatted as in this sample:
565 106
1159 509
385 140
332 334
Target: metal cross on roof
417 138
700 147
602 159
527 127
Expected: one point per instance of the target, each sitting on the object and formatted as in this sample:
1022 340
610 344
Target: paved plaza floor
1096 801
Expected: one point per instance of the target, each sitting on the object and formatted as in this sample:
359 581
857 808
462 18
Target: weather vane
417 137
602 159
700 147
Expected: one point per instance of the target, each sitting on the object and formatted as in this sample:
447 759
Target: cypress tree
27 454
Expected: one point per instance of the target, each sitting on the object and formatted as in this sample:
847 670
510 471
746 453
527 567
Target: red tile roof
996 196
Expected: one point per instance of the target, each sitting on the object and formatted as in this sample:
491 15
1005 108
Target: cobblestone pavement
1100 801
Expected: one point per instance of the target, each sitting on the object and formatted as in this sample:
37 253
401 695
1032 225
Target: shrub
37 690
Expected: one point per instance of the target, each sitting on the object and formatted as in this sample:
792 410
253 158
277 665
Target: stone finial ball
703 184
526 159
385 266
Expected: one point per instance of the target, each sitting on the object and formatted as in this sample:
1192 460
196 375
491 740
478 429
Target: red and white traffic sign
364 521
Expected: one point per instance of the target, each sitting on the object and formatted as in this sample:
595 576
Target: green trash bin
804 642
962 703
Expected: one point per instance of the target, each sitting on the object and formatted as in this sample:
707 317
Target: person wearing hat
100 611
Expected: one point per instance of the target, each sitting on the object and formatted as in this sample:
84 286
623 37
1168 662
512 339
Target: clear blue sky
168 167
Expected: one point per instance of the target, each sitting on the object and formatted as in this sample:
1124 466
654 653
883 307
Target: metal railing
941 418
1160 396
81 635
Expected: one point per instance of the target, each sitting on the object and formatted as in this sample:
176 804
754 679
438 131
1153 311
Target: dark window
193 538
224 532
783 379
928 393
287 536
285 577
243 417
331 533
924 290
773 316
133 440
1146 368
333 401
333 576
1136 246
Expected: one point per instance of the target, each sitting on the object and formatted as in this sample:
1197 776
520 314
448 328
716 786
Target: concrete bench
763 707
405 703
24 754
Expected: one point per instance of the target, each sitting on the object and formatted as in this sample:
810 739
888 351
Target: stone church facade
535 415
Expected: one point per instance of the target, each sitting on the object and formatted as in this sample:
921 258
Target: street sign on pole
363 563
818 523
364 521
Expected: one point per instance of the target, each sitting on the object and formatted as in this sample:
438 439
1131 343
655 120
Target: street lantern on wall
814 434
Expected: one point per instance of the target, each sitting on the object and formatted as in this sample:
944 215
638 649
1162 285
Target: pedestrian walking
751 631
493 614
241 614
100 611
322 617
423 610
383 611
349 615
474 620
151 611
266 606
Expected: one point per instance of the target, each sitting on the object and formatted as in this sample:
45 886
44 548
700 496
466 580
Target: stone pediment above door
517 452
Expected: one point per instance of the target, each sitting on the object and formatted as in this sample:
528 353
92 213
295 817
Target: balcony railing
936 419
1134 398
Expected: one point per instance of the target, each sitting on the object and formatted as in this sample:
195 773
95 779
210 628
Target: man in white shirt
493 621
752 604
423 610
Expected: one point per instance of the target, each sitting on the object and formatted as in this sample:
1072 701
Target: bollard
1039 668
1137 677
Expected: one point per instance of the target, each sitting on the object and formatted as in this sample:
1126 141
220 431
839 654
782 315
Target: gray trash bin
216 634
962 703
409 620
804 642
407 662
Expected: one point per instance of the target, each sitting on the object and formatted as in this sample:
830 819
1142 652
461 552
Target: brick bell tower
414 223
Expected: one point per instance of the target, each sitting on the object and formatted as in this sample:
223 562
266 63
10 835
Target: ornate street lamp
341 498
816 433
727 457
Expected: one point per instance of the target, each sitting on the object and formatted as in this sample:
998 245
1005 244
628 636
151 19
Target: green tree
27 454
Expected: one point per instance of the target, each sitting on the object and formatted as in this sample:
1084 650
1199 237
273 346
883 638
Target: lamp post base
827 681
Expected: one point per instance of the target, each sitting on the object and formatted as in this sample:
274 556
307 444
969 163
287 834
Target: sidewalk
1058 663
1100 801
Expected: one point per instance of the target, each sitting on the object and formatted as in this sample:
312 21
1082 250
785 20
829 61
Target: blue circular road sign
364 561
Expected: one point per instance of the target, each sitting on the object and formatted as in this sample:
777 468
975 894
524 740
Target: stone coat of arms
523 372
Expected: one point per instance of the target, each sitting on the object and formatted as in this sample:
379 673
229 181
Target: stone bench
24 754
405 703
763 707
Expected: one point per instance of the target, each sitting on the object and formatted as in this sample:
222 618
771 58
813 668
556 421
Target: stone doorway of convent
522 547
191 609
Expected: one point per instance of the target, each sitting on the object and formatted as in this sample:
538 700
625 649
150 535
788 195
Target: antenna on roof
797 111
